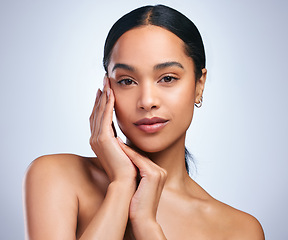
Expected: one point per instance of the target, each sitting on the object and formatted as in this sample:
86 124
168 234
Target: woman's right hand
115 162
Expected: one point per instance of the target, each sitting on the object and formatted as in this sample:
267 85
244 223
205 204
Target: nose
148 98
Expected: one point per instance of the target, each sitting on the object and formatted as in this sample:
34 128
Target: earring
198 105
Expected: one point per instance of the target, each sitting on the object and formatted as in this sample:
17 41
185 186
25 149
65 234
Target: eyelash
128 81
122 82
172 79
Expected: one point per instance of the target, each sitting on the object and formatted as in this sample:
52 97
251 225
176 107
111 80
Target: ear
200 84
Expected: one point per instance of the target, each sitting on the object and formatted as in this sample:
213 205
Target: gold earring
198 105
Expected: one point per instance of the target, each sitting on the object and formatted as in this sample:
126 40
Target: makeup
151 125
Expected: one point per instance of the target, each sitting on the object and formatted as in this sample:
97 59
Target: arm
51 202
111 218
249 228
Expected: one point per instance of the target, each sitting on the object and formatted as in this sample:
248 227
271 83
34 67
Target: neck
172 159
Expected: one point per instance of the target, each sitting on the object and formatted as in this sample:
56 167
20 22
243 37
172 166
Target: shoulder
59 170
54 166
238 224
224 219
50 172
66 163
56 160
54 186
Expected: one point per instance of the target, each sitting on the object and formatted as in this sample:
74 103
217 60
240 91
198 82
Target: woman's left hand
144 203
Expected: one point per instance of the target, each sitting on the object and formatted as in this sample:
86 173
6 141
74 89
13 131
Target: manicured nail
108 93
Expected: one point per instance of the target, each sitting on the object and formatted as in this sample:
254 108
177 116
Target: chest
176 224
190 220
175 228
179 220
183 226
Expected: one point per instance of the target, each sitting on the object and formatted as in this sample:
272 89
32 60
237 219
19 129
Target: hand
103 142
144 203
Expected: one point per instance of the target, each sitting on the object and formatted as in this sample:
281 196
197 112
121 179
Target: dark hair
167 18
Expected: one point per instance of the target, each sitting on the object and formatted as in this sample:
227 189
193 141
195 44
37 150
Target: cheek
184 97
183 105
123 108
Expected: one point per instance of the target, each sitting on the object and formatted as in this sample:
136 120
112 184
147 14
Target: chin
147 145
153 143
150 149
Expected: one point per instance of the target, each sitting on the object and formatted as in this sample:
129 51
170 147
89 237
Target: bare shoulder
238 224
55 167
68 169
222 220
63 162
57 160
53 188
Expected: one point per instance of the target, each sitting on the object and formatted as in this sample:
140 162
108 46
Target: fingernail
104 81
108 93
98 93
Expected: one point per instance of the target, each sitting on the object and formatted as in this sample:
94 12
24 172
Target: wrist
126 174
125 185
147 229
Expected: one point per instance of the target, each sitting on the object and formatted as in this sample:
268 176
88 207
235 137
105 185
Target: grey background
50 69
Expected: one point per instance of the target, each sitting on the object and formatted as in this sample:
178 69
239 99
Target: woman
155 72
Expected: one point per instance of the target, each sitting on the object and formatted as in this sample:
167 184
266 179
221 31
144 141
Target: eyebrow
123 66
168 64
156 67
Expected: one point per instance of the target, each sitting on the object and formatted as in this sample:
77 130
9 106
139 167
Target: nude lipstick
151 125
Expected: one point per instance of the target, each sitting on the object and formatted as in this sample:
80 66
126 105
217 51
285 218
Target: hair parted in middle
167 18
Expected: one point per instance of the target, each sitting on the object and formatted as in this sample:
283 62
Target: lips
151 125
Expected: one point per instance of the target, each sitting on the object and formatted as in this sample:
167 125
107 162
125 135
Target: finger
107 117
153 178
92 116
106 80
136 158
100 110
99 92
147 168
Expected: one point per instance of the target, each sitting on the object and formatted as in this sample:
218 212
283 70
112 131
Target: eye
126 82
168 79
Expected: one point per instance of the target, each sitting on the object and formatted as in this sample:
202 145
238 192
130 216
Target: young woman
155 73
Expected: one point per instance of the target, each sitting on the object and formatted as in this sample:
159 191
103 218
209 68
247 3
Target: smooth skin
141 189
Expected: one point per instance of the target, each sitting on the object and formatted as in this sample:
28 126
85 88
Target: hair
169 19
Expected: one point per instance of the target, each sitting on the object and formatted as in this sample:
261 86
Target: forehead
148 45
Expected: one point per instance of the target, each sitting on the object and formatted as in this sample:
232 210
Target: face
153 81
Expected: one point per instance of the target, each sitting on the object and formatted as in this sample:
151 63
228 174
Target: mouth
151 125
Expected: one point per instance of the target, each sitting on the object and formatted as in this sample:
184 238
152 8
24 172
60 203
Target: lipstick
151 125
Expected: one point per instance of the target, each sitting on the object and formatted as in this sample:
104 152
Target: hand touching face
154 84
